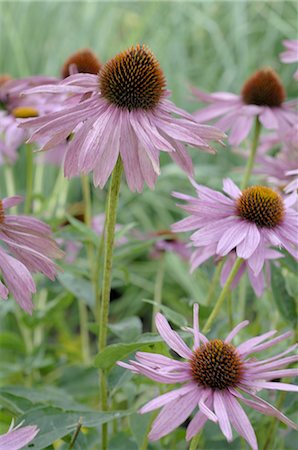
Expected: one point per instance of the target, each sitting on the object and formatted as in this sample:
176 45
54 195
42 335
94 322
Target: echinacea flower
31 248
123 111
247 222
290 55
216 376
18 437
262 96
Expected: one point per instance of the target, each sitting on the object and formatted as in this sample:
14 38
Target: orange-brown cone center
133 79
261 205
216 365
264 88
85 62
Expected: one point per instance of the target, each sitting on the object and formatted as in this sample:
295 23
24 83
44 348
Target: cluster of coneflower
116 118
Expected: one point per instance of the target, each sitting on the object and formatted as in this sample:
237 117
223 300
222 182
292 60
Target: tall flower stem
29 179
9 183
158 289
83 310
252 155
214 282
111 212
38 185
222 296
194 442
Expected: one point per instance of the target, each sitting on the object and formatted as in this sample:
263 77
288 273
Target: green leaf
50 395
127 329
173 316
285 303
54 424
78 286
115 352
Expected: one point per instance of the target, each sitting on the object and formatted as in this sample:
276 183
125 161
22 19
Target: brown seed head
261 205
85 61
1 212
263 88
133 79
216 365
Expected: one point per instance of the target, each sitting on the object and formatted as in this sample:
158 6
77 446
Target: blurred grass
214 45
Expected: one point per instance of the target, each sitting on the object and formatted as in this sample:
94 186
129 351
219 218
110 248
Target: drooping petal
173 340
172 415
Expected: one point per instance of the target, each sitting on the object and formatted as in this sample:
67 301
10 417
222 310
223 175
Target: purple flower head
18 437
262 96
124 110
217 376
247 222
26 247
290 55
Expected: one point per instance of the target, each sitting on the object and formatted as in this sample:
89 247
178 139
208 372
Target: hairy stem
222 296
29 179
158 289
214 282
111 212
252 155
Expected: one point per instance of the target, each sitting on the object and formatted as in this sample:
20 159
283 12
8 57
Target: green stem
214 282
9 183
274 423
29 179
76 433
111 212
38 185
84 333
230 310
145 442
222 296
252 155
195 442
60 188
158 289
83 310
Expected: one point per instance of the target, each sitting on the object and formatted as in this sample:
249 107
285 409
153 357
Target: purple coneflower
291 54
262 96
123 111
18 437
215 374
247 222
32 248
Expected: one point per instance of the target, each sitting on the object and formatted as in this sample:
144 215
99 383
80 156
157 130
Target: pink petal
222 415
173 340
240 421
172 415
